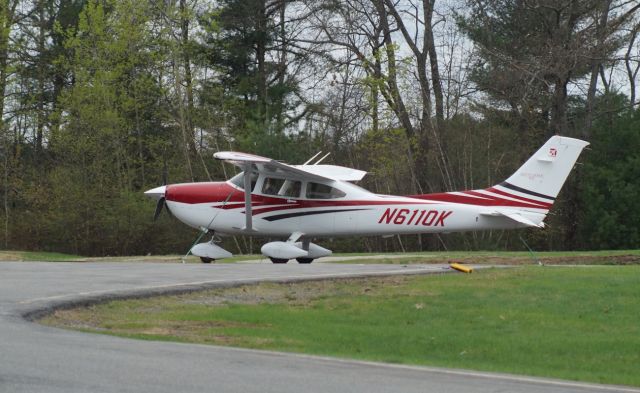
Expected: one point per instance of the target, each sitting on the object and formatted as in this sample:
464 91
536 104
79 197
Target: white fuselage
358 212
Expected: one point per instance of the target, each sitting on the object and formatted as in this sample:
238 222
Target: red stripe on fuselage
304 204
218 192
507 194
485 200
502 199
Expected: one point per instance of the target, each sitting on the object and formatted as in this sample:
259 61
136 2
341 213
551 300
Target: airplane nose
156 193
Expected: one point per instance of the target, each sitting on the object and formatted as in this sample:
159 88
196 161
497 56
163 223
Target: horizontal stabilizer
513 216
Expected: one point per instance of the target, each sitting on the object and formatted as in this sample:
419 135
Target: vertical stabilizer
543 175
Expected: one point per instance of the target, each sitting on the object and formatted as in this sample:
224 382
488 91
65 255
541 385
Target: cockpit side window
238 180
323 191
271 185
281 187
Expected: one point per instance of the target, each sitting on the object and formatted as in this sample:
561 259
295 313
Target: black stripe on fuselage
525 191
307 213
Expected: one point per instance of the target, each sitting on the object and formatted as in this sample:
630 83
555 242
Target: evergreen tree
243 46
608 202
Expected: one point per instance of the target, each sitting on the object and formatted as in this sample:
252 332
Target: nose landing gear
209 251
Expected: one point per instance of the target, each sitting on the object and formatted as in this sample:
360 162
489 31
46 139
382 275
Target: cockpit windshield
238 180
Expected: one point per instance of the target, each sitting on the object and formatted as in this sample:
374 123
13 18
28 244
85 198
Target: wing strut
248 226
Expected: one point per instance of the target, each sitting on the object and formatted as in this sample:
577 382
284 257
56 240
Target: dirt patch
294 294
10 256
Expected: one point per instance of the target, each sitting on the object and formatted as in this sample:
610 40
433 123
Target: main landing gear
300 260
206 260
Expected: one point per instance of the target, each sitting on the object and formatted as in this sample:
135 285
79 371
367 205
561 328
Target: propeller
159 207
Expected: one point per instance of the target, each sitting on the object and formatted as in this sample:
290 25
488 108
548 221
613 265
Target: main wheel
206 260
279 260
304 260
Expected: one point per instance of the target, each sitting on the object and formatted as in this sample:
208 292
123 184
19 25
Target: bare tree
632 61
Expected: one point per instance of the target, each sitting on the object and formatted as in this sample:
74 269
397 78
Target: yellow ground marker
460 267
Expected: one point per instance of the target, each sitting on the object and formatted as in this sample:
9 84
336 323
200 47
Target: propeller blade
159 207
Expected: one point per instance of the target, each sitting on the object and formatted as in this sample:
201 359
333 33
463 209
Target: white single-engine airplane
304 202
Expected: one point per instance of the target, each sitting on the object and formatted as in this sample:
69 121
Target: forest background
97 97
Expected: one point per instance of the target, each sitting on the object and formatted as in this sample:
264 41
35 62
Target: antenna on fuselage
311 159
323 157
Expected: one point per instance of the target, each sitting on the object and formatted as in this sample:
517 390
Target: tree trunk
595 66
261 50
394 98
188 79
430 45
632 73
558 123
282 64
6 21
41 77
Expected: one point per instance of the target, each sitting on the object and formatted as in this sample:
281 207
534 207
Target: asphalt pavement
36 358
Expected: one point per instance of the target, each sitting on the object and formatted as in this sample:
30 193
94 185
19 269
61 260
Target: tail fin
527 195
537 183
543 175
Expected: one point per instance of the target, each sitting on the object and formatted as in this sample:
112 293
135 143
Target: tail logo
553 152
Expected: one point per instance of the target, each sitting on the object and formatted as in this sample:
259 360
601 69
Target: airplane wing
297 172
251 163
513 216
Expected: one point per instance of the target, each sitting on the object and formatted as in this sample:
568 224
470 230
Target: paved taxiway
35 358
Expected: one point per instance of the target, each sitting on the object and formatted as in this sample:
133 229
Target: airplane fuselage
220 206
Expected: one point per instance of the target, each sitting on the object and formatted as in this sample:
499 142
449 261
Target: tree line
99 99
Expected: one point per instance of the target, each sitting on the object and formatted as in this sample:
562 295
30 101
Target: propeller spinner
158 194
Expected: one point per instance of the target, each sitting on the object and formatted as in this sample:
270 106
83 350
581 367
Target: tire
279 260
304 260
206 260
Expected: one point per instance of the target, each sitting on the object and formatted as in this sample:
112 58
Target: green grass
572 323
612 257
454 254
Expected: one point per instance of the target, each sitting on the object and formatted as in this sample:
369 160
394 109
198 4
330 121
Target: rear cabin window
281 187
238 180
323 191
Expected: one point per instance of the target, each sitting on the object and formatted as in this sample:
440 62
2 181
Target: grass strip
578 323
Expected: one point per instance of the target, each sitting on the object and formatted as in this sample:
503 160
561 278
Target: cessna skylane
301 203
